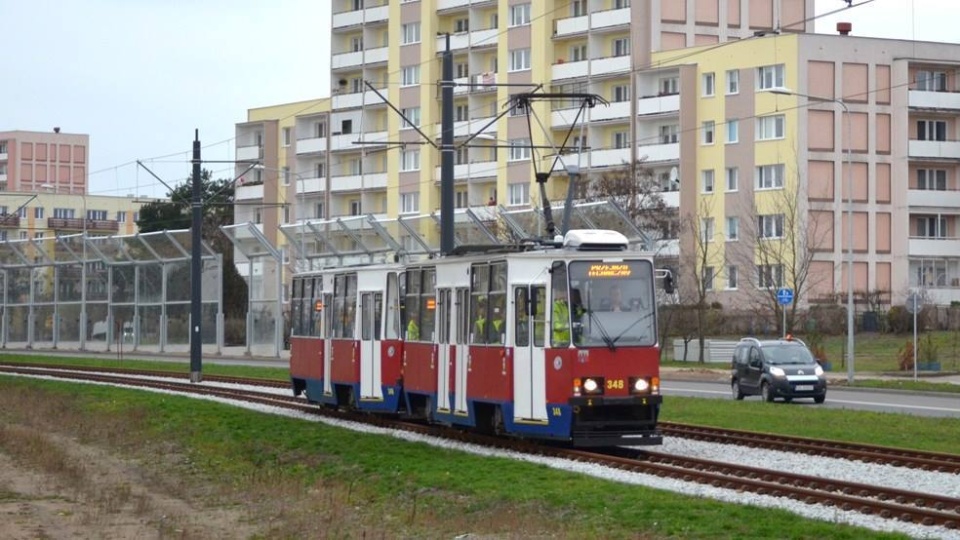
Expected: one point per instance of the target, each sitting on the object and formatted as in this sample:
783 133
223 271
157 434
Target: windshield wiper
611 343
627 329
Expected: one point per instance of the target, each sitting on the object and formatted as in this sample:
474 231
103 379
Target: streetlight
846 112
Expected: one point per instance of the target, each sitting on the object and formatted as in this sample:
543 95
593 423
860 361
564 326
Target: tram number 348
615 384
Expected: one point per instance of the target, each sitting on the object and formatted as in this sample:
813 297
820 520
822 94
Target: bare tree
697 274
786 237
636 190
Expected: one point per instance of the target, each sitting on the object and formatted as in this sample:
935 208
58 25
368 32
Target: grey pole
846 112
195 269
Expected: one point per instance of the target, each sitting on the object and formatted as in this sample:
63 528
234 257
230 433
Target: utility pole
446 152
195 268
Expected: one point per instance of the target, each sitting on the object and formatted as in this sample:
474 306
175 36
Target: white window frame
709 132
733 82
410 76
411 113
519 59
518 194
286 136
121 216
708 181
578 53
769 276
621 47
931 227
931 130
621 139
409 33
707 229
519 15
669 134
770 226
733 276
771 127
620 93
519 150
732 178
409 160
733 229
708 84
708 276
771 77
669 86
769 176
932 179
410 203
926 80
733 131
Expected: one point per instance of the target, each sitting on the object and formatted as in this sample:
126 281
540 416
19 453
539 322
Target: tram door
371 313
327 322
460 314
445 309
529 357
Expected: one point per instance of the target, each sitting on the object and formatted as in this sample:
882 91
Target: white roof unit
595 239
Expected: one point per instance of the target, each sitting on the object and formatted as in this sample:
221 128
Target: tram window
522 316
428 304
377 314
350 302
339 295
559 307
392 327
498 303
480 286
366 316
539 300
412 305
295 300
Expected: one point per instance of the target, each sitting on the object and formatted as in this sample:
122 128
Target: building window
931 130
733 178
732 277
708 130
356 44
733 81
670 86
286 136
518 194
621 92
460 199
461 113
3 147
38 235
319 210
769 276
410 160
578 53
708 278
706 229
286 214
519 59
461 70
621 4
669 134
519 15
411 117
578 8
770 177
621 47
38 212
770 77
519 150
932 227
461 25
410 33
320 128
410 76
733 131
97 215
706 177
932 179
929 81
321 170
708 85
136 217
355 207
64 213
410 203
23 235
770 127
621 139
733 229
770 226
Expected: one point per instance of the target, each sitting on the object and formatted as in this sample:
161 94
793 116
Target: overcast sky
139 75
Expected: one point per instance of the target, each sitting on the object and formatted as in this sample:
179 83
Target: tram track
889 503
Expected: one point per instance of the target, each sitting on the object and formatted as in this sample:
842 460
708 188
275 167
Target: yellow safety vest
561 323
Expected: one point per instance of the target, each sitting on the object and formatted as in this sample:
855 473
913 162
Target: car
776 368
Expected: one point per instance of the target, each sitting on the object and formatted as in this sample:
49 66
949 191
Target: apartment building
46 213
788 137
32 159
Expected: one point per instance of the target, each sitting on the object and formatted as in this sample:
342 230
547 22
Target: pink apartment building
31 159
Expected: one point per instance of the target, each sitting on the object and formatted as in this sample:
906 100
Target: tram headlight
592 385
640 386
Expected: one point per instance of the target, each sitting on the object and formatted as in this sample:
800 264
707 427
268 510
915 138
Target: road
861 399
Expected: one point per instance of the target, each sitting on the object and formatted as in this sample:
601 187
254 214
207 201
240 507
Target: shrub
929 352
905 356
235 332
899 320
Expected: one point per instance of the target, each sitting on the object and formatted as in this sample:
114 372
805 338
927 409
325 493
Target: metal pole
916 357
195 268
850 370
446 152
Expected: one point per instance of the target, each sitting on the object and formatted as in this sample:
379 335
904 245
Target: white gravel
914 480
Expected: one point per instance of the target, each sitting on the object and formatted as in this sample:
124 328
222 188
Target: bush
899 320
905 356
235 332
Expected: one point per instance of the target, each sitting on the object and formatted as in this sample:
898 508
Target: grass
297 478
280 373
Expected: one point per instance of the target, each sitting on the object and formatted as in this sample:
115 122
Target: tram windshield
616 303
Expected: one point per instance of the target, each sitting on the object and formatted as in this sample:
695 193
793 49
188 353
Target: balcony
466 128
358 58
360 16
571 26
357 99
249 153
468 171
658 105
934 149
80 224
247 193
928 198
570 70
610 65
650 153
358 182
464 40
346 141
933 247
312 145
9 221
921 99
611 18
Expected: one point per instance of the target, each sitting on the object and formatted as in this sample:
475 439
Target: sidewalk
715 373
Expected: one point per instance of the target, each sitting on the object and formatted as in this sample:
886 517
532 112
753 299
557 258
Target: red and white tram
554 343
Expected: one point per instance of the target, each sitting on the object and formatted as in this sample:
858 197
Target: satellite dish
674 174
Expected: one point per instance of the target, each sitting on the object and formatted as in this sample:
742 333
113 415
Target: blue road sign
784 296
